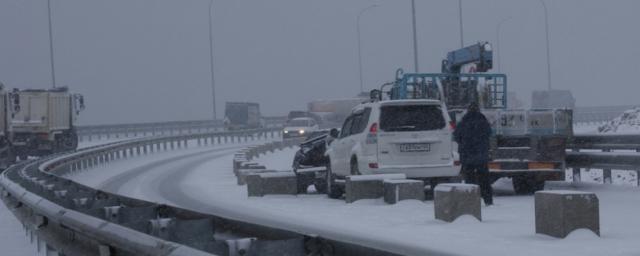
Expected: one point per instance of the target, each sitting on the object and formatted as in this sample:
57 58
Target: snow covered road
202 179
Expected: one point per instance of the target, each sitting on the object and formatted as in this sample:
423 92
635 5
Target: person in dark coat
472 135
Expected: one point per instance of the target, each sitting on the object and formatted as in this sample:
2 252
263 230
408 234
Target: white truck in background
7 109
45 121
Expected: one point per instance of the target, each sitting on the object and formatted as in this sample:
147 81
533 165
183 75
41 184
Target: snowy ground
13 239
204 181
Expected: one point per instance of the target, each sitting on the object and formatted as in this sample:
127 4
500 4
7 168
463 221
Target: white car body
299 127
419 147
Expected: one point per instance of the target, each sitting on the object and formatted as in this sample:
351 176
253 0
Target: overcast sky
148 60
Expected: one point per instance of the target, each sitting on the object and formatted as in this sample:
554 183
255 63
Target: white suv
394 136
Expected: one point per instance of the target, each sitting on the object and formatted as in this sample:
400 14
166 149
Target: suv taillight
374 128
372 137
452 124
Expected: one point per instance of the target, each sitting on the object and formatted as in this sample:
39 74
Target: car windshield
298 123
411 118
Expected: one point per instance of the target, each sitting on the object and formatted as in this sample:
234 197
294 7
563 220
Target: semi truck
333 111
242 115
528 145
7 109
45 121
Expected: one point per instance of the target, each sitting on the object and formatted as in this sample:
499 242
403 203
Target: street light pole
53 71
213 83
360 44
415 36
546 28
498 41
461 24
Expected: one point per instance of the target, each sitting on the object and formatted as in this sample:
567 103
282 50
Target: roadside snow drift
627 123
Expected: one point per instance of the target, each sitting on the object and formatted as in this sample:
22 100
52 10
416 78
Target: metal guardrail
606 159
78 220
90 132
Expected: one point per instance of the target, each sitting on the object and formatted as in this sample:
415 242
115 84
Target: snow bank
627 123
13 240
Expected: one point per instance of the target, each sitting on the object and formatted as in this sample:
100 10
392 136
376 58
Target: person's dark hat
473 107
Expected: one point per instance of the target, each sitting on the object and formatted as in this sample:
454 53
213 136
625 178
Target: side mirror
334 133
15 102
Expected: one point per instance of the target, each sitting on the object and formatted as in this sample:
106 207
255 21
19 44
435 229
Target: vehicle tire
526 185
354 166
333 190
67 141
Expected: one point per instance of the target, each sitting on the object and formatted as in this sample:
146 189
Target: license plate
415 147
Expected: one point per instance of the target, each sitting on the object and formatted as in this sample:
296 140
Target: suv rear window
411 118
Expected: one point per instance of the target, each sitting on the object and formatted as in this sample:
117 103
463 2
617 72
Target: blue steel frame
424 84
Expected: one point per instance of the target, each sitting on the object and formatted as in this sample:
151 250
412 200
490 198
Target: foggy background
148 60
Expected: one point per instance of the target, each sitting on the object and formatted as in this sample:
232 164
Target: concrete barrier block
367 186
396 190
452 200
559 212
248 165
242 174
237 162
272 183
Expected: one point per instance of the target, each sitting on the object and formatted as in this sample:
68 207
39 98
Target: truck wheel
70 142
333 190
526 185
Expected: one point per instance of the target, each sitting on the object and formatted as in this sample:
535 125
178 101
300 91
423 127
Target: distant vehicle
7 108
298 113
45 122
412 137
334 111
299 127
242 115
551 99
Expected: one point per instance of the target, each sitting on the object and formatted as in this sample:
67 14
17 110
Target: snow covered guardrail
109 131
604 142
75 219
90 132
616 154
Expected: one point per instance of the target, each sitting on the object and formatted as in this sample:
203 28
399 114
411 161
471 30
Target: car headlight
285 131
301 131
